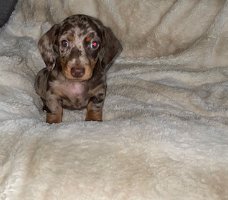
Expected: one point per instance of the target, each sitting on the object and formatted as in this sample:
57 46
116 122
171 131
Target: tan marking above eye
70 38
88 39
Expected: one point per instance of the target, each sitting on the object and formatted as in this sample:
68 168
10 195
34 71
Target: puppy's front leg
94 108
54 117
55 110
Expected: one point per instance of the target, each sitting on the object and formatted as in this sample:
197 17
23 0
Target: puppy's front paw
54 118
94 115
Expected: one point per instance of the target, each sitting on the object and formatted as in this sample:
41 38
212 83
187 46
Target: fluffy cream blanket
165 129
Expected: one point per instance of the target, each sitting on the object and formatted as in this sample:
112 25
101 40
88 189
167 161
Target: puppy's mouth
78 73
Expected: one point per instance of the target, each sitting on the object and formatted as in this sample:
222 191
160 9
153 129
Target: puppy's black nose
77 72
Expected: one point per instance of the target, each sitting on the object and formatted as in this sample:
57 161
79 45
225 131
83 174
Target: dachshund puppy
78 53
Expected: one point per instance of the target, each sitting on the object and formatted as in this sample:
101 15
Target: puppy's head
78 43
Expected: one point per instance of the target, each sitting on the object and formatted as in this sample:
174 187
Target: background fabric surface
165 129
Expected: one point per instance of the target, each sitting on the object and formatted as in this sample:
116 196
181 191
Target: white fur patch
76 88
68 88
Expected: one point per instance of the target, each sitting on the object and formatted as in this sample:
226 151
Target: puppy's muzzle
77 72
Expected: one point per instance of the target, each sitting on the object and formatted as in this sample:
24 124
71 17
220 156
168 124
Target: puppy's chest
73 94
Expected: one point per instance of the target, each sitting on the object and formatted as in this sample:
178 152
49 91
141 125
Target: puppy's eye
94 45
64 43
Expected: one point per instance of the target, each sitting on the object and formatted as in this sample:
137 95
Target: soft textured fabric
165 129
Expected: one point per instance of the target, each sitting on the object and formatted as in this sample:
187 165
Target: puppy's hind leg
45 108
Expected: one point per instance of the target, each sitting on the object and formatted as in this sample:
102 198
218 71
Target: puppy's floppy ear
47 47
112 48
